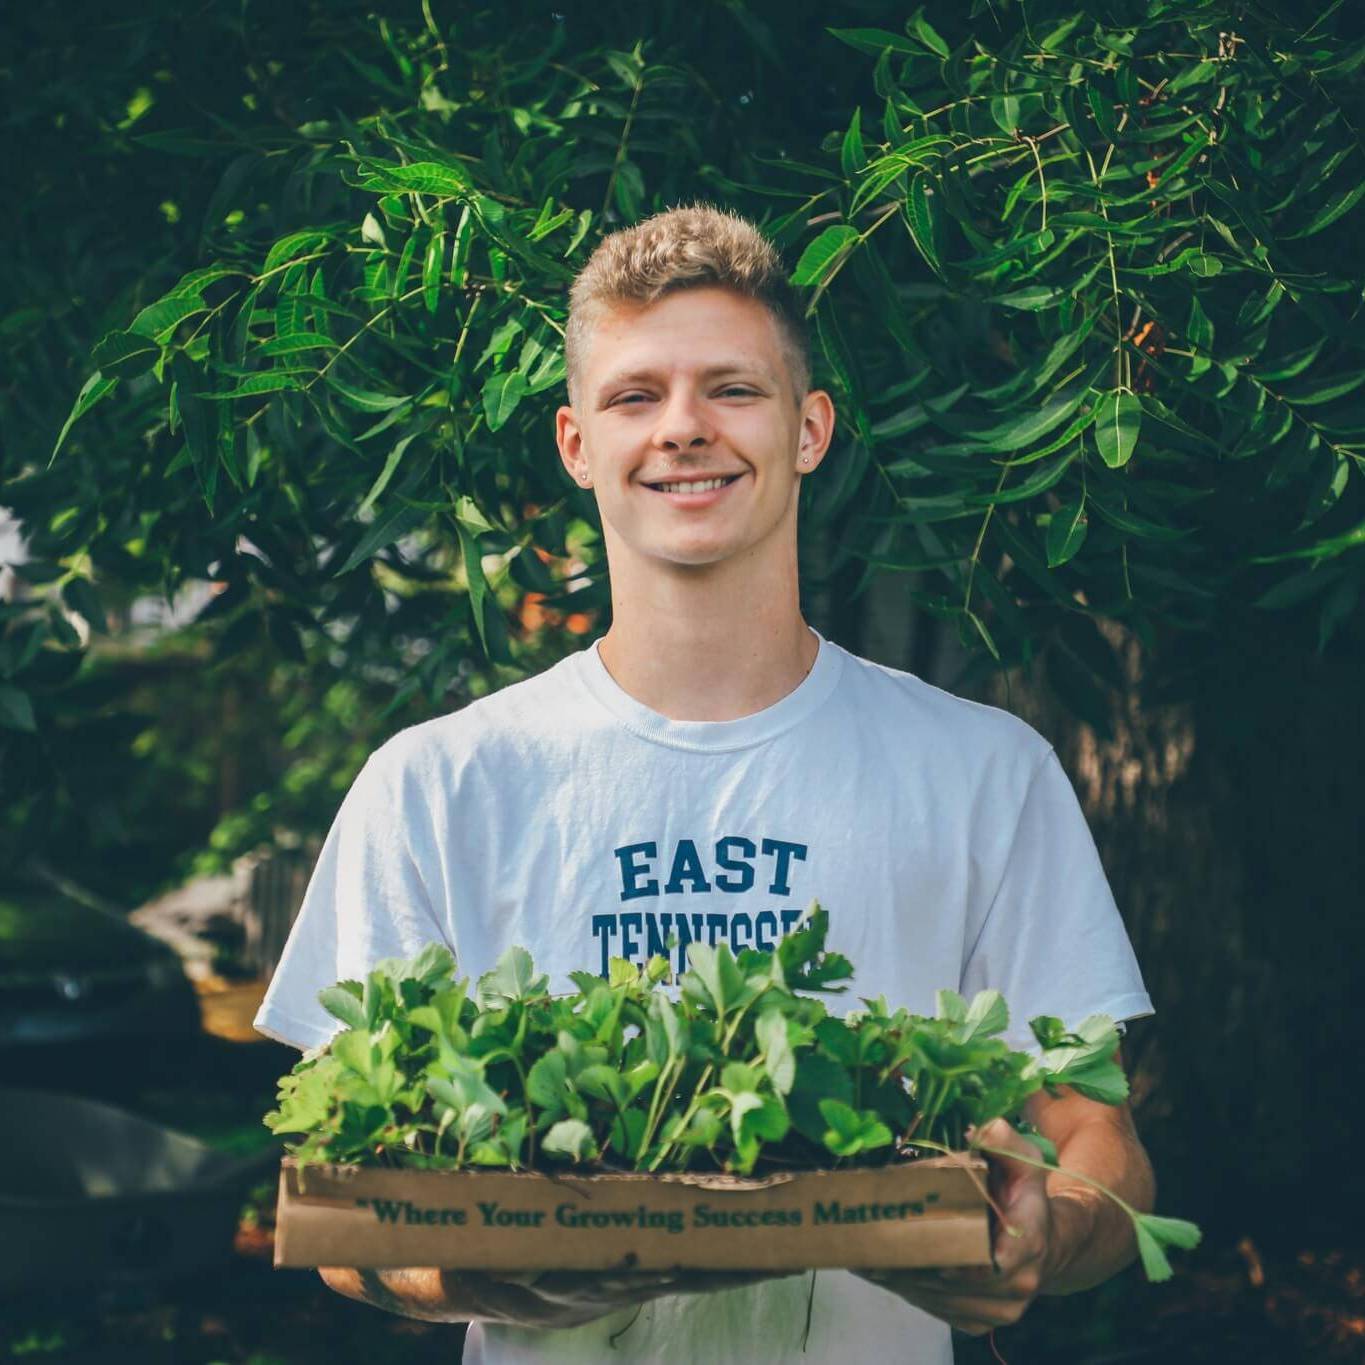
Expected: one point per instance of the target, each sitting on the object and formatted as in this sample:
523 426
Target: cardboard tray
931 1212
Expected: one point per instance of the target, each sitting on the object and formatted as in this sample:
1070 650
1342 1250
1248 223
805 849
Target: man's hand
977 1299
537 1299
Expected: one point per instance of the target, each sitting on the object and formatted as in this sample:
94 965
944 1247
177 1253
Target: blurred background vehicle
75 973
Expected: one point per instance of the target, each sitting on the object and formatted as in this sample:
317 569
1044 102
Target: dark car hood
48 932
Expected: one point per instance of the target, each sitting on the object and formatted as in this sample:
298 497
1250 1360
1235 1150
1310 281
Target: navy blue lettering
633 935
657 929
604 927
745 847
631 871
684 939
764 941
686 868
785 853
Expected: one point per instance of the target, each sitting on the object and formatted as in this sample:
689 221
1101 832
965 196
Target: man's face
693 388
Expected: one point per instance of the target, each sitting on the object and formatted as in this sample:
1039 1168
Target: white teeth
704 486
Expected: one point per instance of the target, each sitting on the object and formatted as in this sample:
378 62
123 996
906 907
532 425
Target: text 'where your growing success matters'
492 1214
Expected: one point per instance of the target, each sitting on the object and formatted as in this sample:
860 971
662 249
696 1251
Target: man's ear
569 438
817 430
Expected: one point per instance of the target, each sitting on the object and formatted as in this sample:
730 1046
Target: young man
704 771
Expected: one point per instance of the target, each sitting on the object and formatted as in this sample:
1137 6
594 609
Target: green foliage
1083 283
744 1072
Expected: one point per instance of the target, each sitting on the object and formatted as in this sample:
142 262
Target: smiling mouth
694 485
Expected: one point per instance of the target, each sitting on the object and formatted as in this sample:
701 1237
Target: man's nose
681 425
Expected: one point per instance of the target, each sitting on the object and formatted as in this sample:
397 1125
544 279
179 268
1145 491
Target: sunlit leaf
1117 424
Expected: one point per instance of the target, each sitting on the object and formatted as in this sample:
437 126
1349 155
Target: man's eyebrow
710 372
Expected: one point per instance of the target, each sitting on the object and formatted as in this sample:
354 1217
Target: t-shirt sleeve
367 899
1052 941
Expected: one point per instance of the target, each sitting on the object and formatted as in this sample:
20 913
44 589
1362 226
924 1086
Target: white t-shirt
942 836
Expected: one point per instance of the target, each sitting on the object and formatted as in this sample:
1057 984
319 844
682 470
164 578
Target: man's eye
630 398
738 389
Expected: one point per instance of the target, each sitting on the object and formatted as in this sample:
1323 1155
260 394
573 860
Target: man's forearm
1092 1238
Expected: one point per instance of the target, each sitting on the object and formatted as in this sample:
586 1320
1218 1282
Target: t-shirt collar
712 736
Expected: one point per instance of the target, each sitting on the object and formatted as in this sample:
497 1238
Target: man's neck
704 645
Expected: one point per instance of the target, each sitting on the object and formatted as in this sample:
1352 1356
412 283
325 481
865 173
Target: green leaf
469 515
295 245
1005 112
821 256
571 1138
927 34
986 1015
158 320
1298 588
431 271
714 978
92 391
622 972
1100 1079
512 978
390 466
422 177
365 400
344 1004
1031 299
295 342
1328 214
851 1131
547 1080
1198 328
1325 390
948 1004
16 710
196 419
852 156
501 394
1323 549
817 1077
1175 1232
1117 424
1103 112
873 41
463 1086
475 580
663 1030
395 521
1135 525
779 1061
1154 1262
921 218
1066 533
268 381
124 354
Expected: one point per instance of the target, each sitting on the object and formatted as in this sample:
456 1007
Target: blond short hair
686 248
